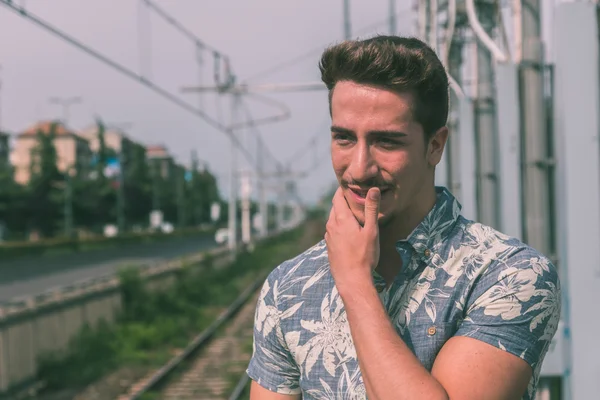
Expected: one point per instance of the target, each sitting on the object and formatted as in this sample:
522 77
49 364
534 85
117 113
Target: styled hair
401 64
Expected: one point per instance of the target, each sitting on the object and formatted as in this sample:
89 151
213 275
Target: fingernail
374 194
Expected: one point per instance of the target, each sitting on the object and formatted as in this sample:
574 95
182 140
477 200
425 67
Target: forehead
354 103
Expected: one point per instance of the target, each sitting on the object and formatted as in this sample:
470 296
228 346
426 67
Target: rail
198 342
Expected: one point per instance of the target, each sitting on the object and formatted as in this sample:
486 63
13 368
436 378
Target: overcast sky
257 35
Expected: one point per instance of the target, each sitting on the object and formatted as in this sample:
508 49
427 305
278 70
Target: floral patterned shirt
460 278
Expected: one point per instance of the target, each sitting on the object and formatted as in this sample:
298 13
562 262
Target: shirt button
427 253
431 331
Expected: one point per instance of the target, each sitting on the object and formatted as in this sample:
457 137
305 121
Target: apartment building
123 146
161 161
72 150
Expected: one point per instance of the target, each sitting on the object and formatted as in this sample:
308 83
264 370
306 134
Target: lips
359 194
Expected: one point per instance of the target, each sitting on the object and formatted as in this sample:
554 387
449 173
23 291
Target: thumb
372 208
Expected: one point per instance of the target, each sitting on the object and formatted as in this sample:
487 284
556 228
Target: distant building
161 161
122 145
72 150
113 139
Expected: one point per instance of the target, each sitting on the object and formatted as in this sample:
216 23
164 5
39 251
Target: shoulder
508 255
510 272
292 275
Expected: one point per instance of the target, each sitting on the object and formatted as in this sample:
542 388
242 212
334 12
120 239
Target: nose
362 165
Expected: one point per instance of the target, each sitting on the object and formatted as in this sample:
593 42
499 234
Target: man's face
376 143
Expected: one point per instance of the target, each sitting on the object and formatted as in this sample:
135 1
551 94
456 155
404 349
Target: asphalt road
33 275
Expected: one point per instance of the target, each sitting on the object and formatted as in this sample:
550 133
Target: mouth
359 195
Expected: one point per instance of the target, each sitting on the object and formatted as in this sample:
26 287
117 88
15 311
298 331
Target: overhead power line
311 143
218 56
294 61
186 32
130 74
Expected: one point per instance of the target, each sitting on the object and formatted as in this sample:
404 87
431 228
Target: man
404 298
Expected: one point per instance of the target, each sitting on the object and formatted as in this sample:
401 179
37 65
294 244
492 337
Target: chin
382 220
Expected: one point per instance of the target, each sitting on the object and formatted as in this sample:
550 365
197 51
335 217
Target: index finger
342 210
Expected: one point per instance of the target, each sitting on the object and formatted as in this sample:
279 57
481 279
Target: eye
389 143
342 139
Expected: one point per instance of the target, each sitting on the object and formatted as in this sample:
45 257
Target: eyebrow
339 129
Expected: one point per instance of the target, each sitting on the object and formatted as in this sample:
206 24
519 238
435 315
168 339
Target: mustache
379 183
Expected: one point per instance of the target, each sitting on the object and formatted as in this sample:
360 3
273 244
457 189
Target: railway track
212 363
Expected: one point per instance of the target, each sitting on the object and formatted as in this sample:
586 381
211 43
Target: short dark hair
402 64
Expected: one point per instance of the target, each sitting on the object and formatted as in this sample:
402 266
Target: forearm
389 368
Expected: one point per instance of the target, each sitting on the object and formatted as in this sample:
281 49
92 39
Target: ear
436 146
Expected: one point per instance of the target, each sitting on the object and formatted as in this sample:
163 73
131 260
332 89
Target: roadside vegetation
154 324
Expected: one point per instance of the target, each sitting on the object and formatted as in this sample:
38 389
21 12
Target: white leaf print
290 311
312 357
430 308
275 291
315 278
539 265
325 314
329 360
294 268
523 354
435 292
460 303
292 339
505 298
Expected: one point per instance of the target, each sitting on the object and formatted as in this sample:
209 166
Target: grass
152 324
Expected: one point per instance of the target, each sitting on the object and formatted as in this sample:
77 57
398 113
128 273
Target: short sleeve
515 306
271 365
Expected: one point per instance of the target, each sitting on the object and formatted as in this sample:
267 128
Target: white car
221 235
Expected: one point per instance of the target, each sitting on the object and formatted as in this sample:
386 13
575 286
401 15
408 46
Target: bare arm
510 317
465 368
258 392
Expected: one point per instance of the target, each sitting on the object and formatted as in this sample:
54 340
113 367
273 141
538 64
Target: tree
138 184
12 204
93 196
46 186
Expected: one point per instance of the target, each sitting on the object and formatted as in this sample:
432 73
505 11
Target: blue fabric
460 278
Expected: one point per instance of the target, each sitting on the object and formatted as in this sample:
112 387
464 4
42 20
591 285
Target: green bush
151 320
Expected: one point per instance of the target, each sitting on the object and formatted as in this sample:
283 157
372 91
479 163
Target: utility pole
65 103
485 125
433 24
196 199
181 217
246 222
237 90
535 176
392 14
453 146
262 199
121 178
0 98
121 193
347 24
280 196
155 189
232 209
68 205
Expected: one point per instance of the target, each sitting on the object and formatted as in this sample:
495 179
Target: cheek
339 162
395 165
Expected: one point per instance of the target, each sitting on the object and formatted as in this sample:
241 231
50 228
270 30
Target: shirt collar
434 228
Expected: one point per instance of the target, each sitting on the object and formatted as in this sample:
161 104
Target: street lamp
65 103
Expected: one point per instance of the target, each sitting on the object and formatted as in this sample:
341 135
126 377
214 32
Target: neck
399 228
402 225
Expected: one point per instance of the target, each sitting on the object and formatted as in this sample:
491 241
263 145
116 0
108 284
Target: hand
353 250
